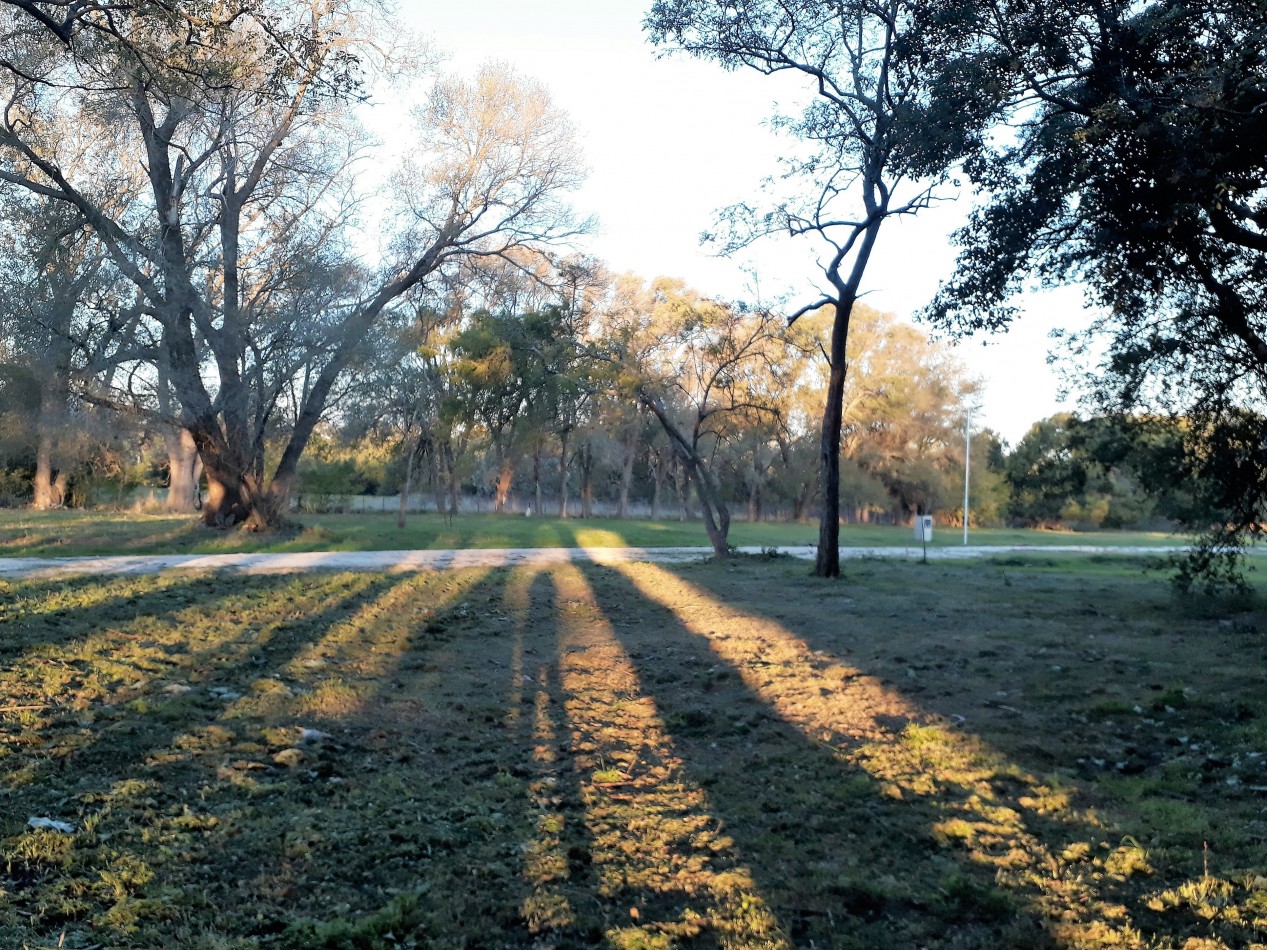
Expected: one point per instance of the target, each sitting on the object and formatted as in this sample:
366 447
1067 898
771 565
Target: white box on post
923 528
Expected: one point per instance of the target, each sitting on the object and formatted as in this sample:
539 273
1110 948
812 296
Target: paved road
399 561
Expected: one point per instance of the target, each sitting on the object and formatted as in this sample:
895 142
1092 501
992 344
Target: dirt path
400 561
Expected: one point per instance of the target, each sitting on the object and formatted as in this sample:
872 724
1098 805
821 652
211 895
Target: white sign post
924 532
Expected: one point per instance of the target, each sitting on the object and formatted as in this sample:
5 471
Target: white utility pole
967 451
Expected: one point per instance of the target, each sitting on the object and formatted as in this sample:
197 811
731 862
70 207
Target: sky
670 141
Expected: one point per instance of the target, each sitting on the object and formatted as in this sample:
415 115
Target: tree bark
46 495
439 481
587 480
754 502
827 560
410 457
536 480
54 393
682 481
563 473
658 475
184 470
455 490
626 478
505 473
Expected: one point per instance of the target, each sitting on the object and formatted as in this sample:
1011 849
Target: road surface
402 561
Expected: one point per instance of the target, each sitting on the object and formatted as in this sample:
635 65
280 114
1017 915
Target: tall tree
246 142
1138 166
877 137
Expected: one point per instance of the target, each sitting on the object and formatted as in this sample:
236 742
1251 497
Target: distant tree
700 368
1044 474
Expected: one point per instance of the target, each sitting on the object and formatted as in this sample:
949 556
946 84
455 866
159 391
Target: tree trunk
657 477
563 473
439 483
715 513
683 483
692 468
48 493
536 480
626 479
451 470
226 504
184 469
504 476
587 480
754 500
406 488
827 562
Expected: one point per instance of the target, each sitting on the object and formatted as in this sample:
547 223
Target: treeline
579 391
1118 471
590 393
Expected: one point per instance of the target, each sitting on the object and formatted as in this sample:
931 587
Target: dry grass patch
981 755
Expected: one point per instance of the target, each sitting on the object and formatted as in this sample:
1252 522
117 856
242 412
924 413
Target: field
1038 751
67 533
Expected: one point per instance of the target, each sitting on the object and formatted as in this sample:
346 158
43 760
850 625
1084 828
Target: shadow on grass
120 695
844 853
631 758
1033 669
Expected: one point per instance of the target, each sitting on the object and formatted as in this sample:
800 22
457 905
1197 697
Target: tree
697 366
1137 166
246 143
873 128
66 19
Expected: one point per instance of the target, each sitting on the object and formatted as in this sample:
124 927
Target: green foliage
1135 168
321 482
1113 472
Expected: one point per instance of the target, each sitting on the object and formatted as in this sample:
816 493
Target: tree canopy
1136 164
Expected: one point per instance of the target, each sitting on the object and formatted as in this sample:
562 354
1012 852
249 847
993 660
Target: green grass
714 755
69 533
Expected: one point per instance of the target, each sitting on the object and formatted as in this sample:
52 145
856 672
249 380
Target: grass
69 533
739 756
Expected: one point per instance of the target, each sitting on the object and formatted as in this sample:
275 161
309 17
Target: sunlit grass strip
368 645
657 844
546 907
24 601
979 804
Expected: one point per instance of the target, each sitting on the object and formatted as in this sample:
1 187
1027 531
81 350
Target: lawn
1040 753
67 533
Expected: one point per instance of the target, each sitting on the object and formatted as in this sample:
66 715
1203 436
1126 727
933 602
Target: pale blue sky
670 141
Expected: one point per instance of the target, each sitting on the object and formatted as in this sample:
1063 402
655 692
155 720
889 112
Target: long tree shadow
990 777
416 781
481 808
559 757
76 652
146 681
666 869
861 827
123 771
